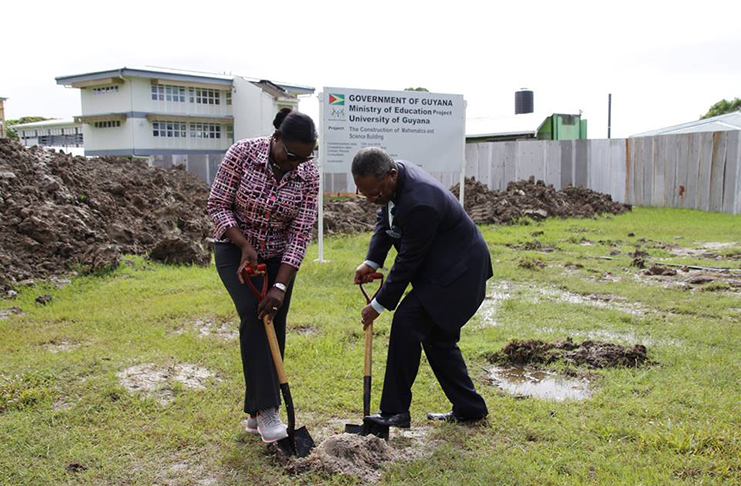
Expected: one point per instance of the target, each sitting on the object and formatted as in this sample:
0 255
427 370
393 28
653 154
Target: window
108 124
228 96
105 90
166 92
230 133
169 129
205 130
568 120
204 96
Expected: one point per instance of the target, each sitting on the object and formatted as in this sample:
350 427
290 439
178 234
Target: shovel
299 442
368 428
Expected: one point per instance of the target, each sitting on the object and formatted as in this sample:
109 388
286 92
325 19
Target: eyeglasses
293 157
375 195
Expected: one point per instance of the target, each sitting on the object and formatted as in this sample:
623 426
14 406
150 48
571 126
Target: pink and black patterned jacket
277 218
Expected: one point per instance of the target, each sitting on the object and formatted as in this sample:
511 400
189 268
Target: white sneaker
270 426
252 425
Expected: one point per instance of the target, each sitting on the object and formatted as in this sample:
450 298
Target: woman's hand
249 258
272 302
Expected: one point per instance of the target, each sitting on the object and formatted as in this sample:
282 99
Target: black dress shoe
400 420
453 418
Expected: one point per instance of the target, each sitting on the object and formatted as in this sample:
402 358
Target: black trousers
261 387
413 329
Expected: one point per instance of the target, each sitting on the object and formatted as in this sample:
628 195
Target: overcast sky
665 63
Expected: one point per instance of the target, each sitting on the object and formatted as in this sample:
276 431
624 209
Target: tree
722 107
12 133
424 90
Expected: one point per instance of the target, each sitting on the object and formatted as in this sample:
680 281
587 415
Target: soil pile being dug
61 213
595 354
528 198
359 456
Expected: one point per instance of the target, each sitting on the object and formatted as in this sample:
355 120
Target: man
443 255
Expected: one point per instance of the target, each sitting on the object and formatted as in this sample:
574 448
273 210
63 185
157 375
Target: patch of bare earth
12 311
686 278
157 381
61 346
213 327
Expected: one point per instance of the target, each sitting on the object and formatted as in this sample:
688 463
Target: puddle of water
717 246
497 294
545 385
628 338
504 290
594 300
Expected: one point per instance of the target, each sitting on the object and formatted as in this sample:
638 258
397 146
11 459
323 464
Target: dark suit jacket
440 252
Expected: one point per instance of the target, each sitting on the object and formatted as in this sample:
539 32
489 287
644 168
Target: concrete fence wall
696 170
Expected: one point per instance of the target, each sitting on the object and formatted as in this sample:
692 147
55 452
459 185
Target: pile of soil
359 456
528 198
60 213
596 354
353 215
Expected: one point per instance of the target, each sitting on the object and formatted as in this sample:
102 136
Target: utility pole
609 115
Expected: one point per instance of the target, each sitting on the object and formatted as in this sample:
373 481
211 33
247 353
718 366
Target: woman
263 203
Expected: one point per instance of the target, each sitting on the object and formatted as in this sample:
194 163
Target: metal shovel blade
300 445
368 428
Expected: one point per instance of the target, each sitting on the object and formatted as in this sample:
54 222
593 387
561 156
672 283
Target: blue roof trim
142 73
225 80
144 114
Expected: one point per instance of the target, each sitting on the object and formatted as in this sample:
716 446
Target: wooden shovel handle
274 349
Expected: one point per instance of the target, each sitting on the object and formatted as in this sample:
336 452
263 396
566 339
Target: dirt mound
596 354
362 457
353 215
528 198
525 198
59 213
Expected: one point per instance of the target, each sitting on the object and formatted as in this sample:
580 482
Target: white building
65 135
175 117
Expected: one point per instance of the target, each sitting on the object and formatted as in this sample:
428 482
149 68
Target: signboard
427 129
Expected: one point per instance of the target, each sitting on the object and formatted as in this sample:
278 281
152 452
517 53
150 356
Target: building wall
96 100
135 135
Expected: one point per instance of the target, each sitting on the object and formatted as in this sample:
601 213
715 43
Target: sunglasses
293 157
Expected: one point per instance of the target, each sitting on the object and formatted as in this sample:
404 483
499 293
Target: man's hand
363 273
368 315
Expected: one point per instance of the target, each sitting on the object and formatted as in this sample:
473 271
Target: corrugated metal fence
697 170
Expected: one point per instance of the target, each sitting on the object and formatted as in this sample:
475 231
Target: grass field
67 418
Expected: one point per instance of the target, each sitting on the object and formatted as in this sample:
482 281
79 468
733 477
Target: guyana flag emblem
337 99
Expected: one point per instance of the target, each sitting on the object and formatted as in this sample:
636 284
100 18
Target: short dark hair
372 161
295 126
